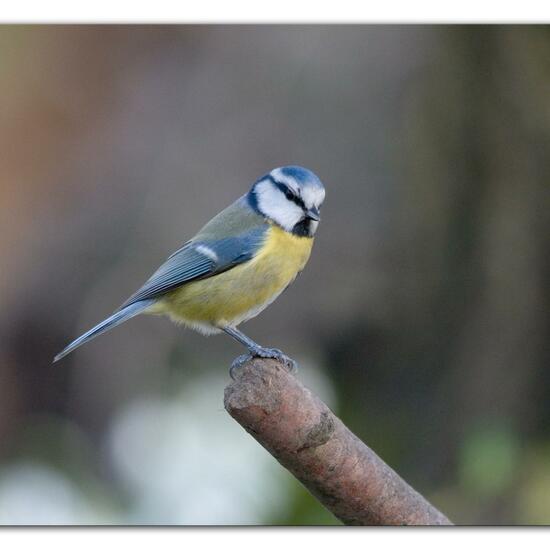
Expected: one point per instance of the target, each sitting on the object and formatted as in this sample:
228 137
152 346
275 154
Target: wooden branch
303 434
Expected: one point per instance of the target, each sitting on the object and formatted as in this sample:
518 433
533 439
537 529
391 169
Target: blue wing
195 260
198 260
203 256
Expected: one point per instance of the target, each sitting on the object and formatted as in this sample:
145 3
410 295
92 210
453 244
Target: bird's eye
289 195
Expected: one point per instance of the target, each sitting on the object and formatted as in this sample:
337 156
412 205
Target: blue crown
301 175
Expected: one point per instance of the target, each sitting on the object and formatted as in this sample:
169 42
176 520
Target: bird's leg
255 350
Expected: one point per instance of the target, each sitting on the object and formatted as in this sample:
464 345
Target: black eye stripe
288 193
296 200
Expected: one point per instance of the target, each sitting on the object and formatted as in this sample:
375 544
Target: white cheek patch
285 213
273 204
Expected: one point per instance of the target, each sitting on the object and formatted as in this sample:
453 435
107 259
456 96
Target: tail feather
114 320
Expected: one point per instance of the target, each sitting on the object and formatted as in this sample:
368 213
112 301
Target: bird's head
291 197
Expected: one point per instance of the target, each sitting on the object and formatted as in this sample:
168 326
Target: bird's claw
265 353
238 363
278 355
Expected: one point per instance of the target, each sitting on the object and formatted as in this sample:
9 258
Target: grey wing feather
189 263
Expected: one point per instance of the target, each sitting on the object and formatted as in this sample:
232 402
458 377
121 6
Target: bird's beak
313 214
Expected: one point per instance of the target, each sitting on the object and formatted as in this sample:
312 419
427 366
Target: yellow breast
244 291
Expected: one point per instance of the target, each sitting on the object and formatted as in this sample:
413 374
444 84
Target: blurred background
422 317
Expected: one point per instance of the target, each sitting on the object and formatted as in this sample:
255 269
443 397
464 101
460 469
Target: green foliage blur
421 319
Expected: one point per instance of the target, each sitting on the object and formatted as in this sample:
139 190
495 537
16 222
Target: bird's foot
238 363
278 355
265 353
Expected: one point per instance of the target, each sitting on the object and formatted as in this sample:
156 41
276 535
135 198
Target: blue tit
236 265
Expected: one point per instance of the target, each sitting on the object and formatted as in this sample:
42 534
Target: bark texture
304 435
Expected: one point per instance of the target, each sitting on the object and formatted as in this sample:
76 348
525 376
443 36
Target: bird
235 266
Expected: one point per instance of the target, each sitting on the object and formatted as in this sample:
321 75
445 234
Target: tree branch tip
305 436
